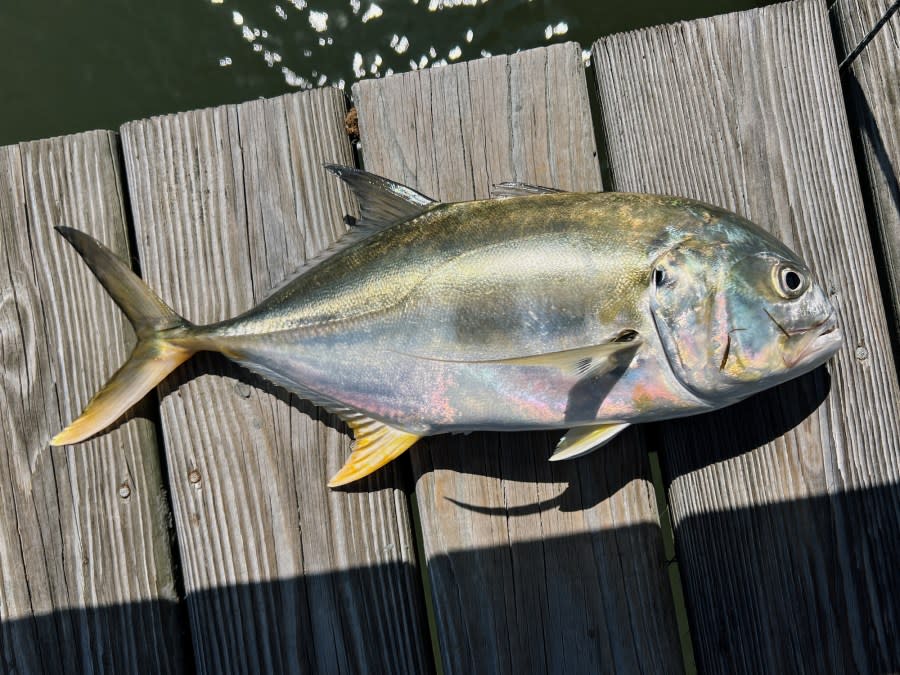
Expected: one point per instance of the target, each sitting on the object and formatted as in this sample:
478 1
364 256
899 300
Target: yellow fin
149 363
376 444
582 440
154 356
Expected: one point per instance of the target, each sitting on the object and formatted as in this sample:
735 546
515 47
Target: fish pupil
659 276
792 280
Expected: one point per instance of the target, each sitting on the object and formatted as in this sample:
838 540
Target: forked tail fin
153 357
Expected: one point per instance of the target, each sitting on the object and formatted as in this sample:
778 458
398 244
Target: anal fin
376 444
582 440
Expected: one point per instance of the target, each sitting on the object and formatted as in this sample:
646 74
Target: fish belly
423 396
429 396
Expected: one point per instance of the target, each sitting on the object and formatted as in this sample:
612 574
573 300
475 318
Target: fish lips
815 345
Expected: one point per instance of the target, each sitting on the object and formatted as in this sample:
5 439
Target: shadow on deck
259 627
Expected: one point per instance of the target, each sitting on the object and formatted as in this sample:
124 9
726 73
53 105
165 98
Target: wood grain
871 89
282 574
85 562
533 566
782 504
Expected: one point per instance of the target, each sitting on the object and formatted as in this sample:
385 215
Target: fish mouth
816 344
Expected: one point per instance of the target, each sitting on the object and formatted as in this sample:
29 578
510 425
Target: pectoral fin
584 361
582 440
579 362
376 444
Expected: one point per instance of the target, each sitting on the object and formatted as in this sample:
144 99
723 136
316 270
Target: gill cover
690 313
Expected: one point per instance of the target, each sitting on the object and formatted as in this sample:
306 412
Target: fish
533 309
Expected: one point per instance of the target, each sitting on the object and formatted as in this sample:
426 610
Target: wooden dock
198 534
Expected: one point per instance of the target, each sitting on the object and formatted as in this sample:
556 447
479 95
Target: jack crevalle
537 309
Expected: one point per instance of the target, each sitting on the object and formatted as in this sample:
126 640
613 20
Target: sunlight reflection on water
375 53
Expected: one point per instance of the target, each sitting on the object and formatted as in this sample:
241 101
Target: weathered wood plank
85 562
871 86
534 566
785 540
227 202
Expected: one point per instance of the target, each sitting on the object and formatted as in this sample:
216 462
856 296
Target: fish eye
791 283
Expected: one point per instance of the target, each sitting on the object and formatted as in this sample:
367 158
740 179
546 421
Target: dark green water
73 65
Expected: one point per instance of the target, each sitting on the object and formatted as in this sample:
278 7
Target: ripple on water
322 42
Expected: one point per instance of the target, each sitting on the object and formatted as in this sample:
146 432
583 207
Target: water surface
71 65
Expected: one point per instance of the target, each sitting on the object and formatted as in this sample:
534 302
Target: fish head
737 315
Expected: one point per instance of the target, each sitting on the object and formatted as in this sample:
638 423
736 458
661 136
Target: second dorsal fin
382 202
513 189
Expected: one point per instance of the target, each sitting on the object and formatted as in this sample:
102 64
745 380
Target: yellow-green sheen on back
468 237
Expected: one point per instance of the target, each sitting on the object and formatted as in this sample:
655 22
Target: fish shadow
700 441
724 434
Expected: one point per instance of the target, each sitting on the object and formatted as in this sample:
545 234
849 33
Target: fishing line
871 34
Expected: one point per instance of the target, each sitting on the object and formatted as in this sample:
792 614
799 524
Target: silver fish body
558 310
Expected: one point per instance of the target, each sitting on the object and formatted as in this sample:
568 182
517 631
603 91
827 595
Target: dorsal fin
382 202
504 190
